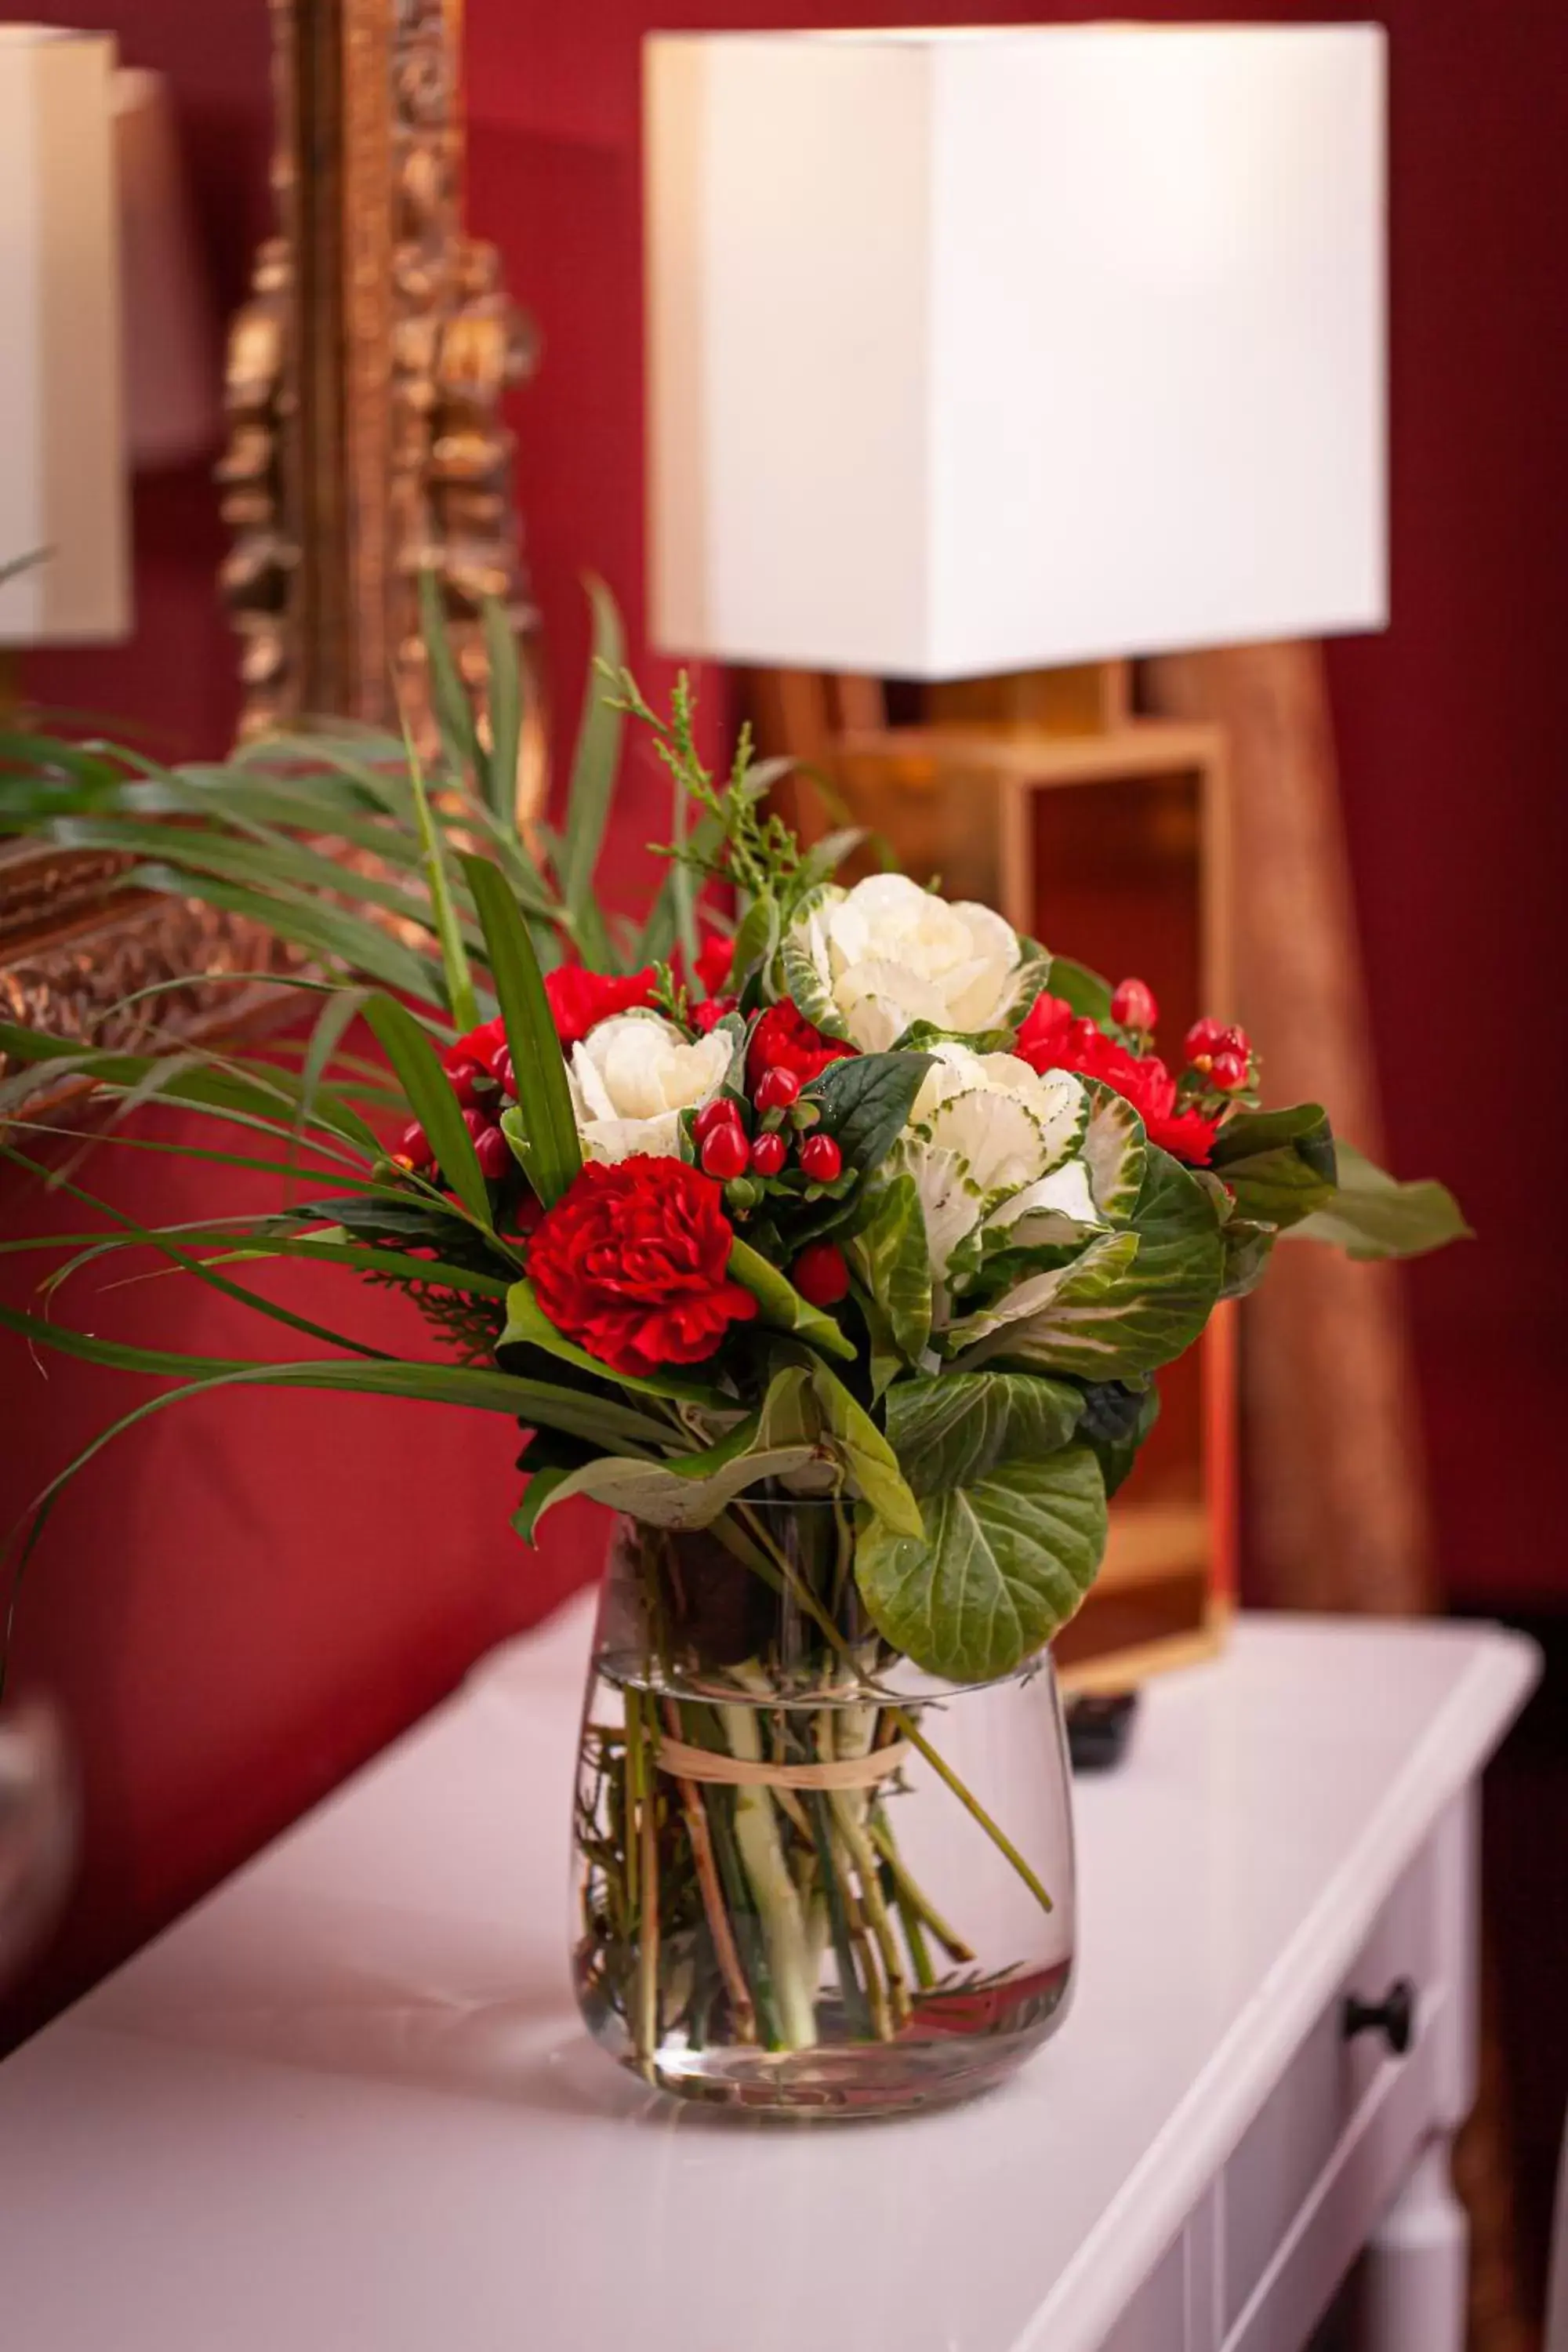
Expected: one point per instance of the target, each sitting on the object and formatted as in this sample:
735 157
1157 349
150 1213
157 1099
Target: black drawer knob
1393 2016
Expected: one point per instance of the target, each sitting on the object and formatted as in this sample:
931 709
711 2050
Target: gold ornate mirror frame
365 444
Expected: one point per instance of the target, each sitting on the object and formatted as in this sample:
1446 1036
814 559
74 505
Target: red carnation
715 959
579 1000
484 1045
784 1039
1054 1038
632 1264
707 1015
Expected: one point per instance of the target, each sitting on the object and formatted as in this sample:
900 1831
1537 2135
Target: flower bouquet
836 1251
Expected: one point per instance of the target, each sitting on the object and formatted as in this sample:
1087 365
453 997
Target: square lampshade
986 350
62 460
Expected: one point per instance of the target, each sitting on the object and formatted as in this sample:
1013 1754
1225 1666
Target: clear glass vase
808 1878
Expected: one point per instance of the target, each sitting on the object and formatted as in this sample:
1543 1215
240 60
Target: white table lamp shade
982 352
62 470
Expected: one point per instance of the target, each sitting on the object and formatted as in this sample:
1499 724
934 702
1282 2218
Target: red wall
249 1595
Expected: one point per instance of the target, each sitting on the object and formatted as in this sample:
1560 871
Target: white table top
346 2105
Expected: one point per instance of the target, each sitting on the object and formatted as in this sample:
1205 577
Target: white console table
345 2106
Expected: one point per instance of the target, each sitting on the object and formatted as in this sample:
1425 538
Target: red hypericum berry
776 1089
820 1274
505 1076
769 1153
463 1077
820 1157
1204 1040
725 1151
1228 1072
1134 1007
719 1112
493 1154
476 1121
413 1147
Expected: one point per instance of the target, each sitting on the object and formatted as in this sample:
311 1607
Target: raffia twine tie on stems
684 1763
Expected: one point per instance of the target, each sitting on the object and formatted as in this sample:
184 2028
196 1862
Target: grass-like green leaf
505 699
449 695
323 930
168 1247
552 1156
432 1101
595 764
443 913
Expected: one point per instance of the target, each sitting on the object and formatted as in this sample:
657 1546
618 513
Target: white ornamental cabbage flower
633 1076
886 953
995 1149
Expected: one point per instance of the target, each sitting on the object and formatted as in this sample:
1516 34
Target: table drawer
1345 2121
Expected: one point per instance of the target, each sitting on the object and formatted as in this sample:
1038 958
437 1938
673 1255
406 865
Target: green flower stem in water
647 2034
806 1599
852 1736
972 1804
914 1904
778 1897
851 1994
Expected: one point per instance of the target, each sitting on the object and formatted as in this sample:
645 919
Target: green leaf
504 696
443 913
1114 1150
1247 1250
552 1155
756 940
1116 1421
889 1258
865 1454
1132 1301
325 931
528 1326
824 858
1029 978
542 1485
432 1101
1085 990
531 1402
803 986
449 695
1372 1215
1278 1165
594 763
865 1103
1004 1563
781 1306
950 1428
686 1490
257 1096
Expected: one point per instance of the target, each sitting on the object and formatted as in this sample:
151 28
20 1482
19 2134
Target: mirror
350 415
